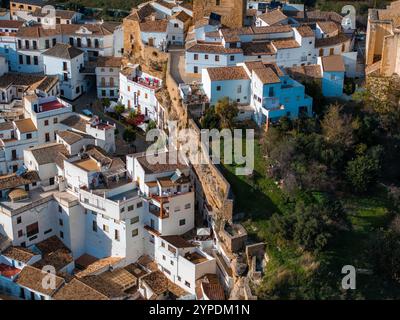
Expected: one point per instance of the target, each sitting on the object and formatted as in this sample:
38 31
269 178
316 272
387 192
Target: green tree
129 134
362 172
227 111
338 127
119 109
151 125
209 120
385 254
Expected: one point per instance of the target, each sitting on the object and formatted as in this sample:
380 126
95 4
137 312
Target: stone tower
233 12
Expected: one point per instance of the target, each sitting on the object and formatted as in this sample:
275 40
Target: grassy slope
259 197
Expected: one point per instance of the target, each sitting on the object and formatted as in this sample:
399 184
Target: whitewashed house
107 77
138 91
8 46
66 62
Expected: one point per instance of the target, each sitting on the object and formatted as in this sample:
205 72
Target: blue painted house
333 71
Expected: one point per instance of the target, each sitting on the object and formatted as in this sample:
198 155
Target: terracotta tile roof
157 282
71 137
11 24
8 271
12 180
18 194
305 31
177 241
32 81
288 43
237 31
227 73
63 14
47 83
166 4
150 167
211 286
78 290
6 125
136 270
76 122
272 29
328 26
273 17
258 48
213 48
63 51
84 261
154 26
37 32
331 41
251 12
32 278
110 61
142 13
18 253
333 63
310 71
108 288
106 28
120 277
47 153
54 253
98 265
148 263
182 16
318 15
272 65
266 75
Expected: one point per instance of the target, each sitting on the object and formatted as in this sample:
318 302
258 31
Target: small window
19 220
179 279
171 262
163 244
206 57
217 58
29 136
105 228
46 122
116 235
139 205
20 233
55 120
135 220
135 232
187 284
61 235
182 222
59 209
218 88
187 206
60 222
163 257
94 226
196 56
130 208
232 58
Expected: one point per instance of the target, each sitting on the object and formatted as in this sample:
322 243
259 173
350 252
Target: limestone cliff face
232 11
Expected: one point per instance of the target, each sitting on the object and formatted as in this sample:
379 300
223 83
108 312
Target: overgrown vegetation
323 195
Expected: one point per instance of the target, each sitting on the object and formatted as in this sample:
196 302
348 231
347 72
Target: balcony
149 83
270 103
